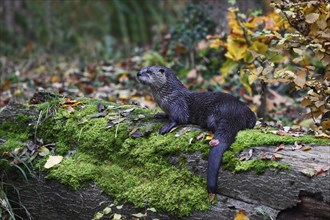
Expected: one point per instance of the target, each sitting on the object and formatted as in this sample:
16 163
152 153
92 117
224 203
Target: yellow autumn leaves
289 45
240 41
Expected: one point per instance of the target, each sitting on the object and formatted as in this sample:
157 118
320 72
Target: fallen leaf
200 136
119 206
282 133
192 74
211 197
139 117
265 156
300 79
279 148
311 18
286 128
70 109
241 215
52 161
247 155
97 216
322 170
277 156
98 115
322 135
117 216
297 146
306 148
182 131
151 209
101 107
209 137
129 110
43 151
106 210
138 215
310 172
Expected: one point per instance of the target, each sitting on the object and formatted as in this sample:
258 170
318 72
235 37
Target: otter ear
162 70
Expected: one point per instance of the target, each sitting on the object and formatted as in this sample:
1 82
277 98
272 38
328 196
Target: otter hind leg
218 145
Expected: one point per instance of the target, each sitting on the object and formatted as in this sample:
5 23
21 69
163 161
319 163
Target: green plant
194 26
6 204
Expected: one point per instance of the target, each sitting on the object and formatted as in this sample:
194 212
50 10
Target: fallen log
300 192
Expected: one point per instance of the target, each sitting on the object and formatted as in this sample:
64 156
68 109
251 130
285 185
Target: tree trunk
272 195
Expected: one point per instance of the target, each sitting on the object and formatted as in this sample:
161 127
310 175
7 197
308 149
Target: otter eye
161 70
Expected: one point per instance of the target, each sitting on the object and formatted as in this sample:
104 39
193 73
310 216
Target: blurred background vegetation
256 50
94 27
106 29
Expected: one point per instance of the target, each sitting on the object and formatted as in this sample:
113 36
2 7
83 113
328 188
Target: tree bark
272 195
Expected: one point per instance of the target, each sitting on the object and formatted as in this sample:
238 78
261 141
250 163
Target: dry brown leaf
311 18
323 135
322 170
277 156
300 79
200 136
279 148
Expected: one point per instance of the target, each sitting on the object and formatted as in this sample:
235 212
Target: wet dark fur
220 113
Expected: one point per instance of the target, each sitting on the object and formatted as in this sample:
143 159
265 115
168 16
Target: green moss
14 134
74 171
252 138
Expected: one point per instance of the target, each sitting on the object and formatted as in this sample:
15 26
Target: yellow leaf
252 78
312 17
259 47
240 215
322 135
325 124
209 137
306 148
246 83
236 49
227 67
216 43
232 22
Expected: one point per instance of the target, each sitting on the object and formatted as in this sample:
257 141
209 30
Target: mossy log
163 172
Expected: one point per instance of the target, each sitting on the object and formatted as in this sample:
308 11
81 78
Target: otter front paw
167 127
160 115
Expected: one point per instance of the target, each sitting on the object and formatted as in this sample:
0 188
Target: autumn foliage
290 45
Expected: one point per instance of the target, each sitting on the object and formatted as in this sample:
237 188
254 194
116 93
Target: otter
221 113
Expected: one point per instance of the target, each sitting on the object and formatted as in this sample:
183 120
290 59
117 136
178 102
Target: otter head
153 76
